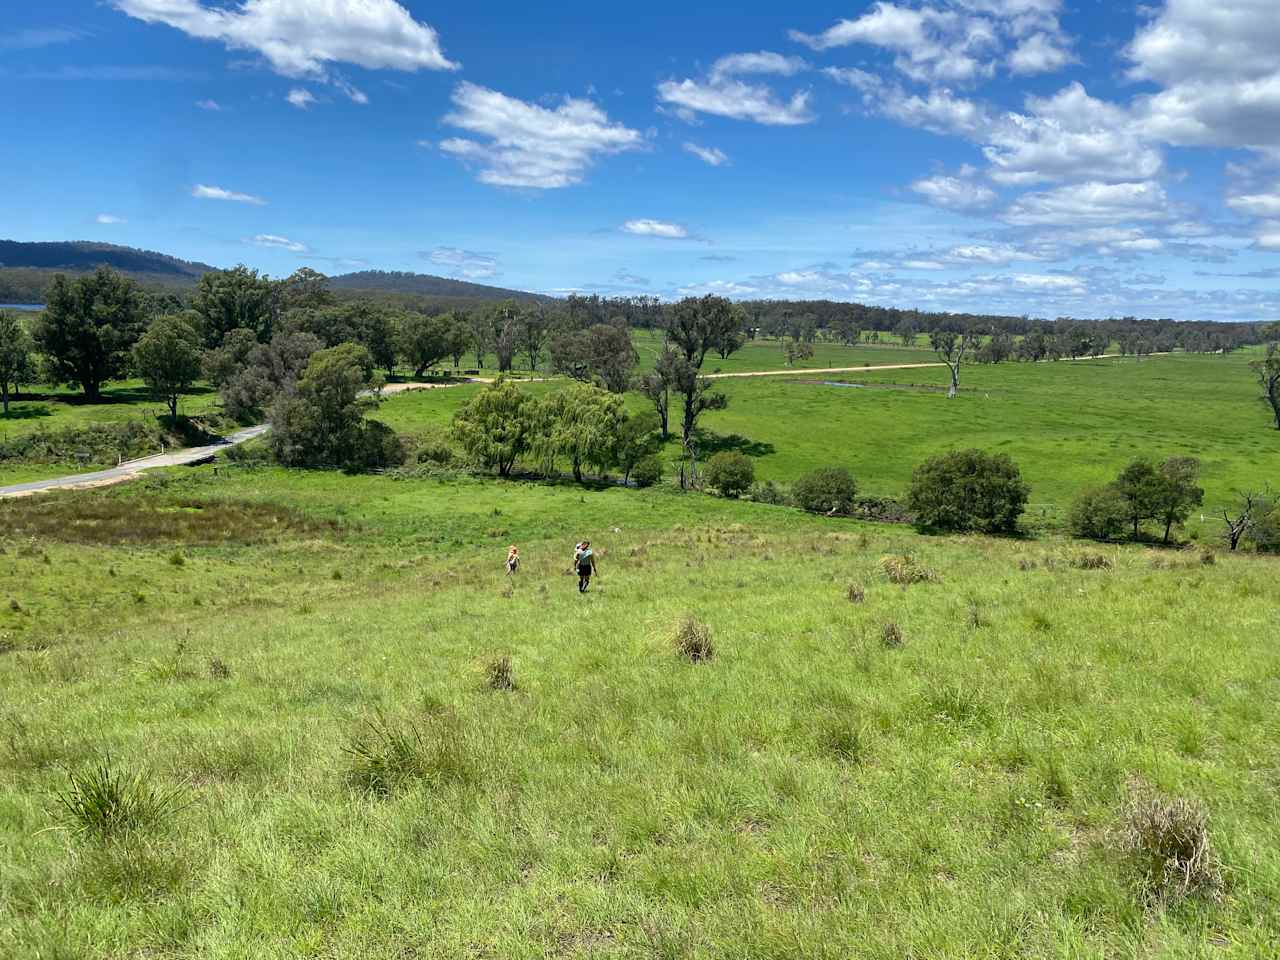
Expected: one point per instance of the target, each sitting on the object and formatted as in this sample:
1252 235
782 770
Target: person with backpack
584 561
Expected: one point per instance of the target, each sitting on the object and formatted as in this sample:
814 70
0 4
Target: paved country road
179 458
127 471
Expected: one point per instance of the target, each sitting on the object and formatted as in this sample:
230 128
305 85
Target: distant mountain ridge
425 284
79 256
26 269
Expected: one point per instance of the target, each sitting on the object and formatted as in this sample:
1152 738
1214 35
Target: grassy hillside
809 791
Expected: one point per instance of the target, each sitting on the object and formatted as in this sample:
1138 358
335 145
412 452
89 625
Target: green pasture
809 791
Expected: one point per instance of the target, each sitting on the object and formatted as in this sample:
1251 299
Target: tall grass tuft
855 593
693 640
891 636
1167 839
904 570
106 802
498 674
387 754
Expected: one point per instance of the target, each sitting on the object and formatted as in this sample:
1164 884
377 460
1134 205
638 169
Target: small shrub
830 490
1025 564
1090 561
434 450
1099 514
218 670
693 640
647 471
498 674
387 753
1167 840
177 560
967 490
768 492
904 570
855 593
15 606
891 636
106 802
731 473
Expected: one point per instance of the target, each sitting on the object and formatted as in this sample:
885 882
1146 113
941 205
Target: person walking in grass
513 560
584 560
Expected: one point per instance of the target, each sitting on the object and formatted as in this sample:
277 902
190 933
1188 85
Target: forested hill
79 256
423 284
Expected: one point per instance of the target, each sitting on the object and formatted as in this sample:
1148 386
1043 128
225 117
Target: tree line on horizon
251 337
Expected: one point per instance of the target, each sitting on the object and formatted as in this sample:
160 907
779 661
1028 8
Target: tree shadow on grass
111 396
712 443
25 413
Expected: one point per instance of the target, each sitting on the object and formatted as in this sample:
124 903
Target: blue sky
1018 156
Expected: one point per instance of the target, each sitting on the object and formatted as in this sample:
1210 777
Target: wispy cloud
656 228
108 219
463 263
211 105
711 155
204 192
300 97
33 38
111 72
278 242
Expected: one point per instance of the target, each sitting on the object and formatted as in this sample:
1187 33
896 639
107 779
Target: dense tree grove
1144 490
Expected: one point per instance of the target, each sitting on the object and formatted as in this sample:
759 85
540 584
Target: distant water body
21 306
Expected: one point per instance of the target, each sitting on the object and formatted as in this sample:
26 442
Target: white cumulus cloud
1091 204
528 145
301 38
107 219
725 97
955 193
1218 68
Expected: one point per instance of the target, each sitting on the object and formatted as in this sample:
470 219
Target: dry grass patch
95 518
904 570
1167 839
